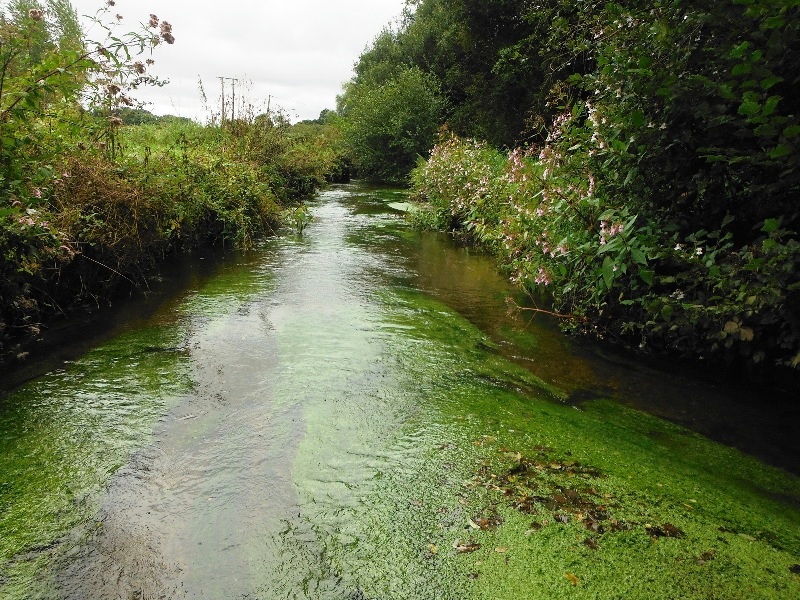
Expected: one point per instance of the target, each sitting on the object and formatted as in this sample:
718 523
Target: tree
389 125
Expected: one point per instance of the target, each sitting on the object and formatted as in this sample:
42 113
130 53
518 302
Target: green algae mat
334 416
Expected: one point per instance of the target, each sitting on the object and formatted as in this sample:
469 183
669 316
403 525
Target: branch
580 318
6 111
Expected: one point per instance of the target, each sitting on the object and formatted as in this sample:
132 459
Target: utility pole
233 81
233 100
222 98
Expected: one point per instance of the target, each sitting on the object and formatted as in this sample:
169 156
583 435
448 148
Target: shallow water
299 422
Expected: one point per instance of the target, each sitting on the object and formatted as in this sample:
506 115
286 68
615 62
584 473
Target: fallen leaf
705 557
501 550
433 548
464 547
572 579
665 530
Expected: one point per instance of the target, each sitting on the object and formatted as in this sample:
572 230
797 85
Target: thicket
89 205
641 163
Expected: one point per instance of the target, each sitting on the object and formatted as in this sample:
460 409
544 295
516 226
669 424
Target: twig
548 312
97 262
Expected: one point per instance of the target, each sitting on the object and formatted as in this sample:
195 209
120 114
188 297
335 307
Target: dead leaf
705 557
665 530
572 579
501 550
464 547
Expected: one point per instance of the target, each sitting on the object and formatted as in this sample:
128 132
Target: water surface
303 420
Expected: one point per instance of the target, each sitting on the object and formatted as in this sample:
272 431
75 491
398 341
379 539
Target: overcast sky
300 52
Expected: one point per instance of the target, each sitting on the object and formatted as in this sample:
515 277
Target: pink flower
542 278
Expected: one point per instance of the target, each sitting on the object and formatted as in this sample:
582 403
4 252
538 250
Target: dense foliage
650 175
95 191
390 121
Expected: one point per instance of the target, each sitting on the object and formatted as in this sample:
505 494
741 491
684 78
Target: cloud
298 52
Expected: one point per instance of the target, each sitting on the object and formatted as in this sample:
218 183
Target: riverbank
104 226
622 278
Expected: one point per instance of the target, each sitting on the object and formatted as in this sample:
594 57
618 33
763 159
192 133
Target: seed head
36 14
139 67
166 32
153 21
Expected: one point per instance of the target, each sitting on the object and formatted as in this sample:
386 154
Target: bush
641 283
387 126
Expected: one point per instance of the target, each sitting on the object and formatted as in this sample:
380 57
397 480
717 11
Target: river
346 413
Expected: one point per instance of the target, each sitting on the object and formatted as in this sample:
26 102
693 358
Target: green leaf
770 225
638 256
619 146
765 130
792 131
773 22
750 108
608 272
742 69
780 151
770 105
739 51
770 81
646 275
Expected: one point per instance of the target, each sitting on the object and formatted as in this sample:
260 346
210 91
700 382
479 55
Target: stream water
299 421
